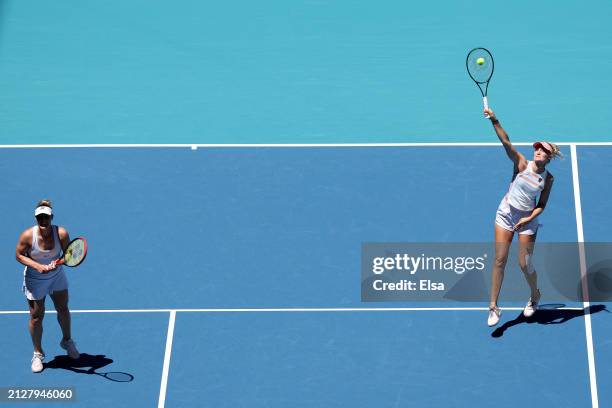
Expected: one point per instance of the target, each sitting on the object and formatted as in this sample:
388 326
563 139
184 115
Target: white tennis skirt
37 288
507 217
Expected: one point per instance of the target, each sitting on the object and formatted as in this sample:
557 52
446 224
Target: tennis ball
480 61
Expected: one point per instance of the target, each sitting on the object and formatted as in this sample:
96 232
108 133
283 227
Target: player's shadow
548 316
88 364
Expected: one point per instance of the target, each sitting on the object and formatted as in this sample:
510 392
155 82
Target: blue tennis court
227 162
255 253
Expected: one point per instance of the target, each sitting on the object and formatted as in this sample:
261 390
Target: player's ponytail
555 151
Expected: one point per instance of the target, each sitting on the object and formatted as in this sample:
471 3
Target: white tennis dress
520 200
37 285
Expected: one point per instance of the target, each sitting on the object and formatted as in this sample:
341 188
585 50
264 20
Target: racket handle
59 261
485 102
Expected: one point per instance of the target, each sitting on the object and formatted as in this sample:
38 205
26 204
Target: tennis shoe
532 305
37 362
494 315
70 347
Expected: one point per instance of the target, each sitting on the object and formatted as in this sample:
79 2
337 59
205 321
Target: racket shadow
548 315
88 364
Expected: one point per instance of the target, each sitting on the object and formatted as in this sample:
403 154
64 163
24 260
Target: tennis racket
75 253
479 64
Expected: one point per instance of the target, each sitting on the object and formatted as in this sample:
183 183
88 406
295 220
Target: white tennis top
525 188
44 257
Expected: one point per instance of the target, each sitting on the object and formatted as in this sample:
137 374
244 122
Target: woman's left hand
521 223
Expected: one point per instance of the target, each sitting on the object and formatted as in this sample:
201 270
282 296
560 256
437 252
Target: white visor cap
43 209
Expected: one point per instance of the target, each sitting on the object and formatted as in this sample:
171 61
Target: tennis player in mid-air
518 212
38 249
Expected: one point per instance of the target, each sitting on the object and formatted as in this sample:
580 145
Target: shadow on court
548 316
88 364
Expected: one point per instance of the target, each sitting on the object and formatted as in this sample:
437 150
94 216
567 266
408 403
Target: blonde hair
555 151
44 203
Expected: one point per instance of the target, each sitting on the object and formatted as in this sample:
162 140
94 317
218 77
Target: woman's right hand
490 113
46 268
41 268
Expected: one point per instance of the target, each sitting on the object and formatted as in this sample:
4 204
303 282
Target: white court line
195 146
285 310
583 278
166 369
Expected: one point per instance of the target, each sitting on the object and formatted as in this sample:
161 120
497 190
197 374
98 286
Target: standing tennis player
518 212
38 248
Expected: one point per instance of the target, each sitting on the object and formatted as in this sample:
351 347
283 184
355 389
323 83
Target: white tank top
525 188
42 256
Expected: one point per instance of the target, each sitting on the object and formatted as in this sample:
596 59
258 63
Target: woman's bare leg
503 239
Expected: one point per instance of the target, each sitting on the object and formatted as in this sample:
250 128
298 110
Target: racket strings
483 71
75 253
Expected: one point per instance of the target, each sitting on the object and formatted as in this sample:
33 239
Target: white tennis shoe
37 362
494 315
70 347
532 305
